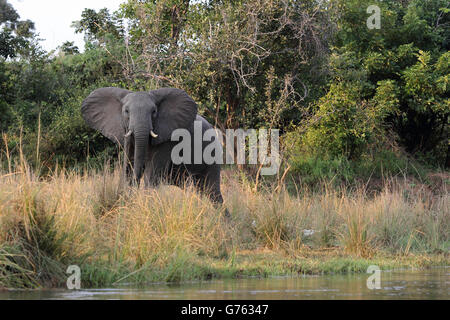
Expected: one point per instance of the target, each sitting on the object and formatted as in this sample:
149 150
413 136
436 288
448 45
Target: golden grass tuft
163 233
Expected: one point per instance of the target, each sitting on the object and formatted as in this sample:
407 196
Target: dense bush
388 89
342 95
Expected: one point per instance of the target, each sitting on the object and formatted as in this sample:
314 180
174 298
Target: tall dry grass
68 218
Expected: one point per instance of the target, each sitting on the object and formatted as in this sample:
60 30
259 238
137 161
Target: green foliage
341 92
223 55
383 81
15 35
69 48
98 25
313 171
379 166
47 92
343 125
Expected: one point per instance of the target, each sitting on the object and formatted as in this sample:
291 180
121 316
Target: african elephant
142 123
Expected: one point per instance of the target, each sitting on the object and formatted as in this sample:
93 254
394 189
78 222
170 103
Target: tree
15 35
223 54
401 69
69 47
98 25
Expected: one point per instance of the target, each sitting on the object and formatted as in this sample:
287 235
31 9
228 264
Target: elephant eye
154 114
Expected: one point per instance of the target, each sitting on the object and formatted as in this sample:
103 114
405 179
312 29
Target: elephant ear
176 110
102 110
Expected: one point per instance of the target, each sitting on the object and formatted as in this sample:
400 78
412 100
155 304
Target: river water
399 284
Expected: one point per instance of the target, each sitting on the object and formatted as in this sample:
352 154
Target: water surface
400 284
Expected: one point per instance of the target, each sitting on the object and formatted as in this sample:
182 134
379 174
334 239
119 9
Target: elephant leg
216 197
152 176
127 174
209 185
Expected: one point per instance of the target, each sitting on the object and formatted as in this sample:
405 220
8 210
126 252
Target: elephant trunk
141 136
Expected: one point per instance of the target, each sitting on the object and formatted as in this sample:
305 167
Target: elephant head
147 117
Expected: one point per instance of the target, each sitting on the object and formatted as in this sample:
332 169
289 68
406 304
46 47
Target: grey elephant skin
142 123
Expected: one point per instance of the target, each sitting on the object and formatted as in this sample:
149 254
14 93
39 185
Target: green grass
186 267
381 165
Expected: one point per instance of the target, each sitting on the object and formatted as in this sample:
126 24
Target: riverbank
174 235
260 263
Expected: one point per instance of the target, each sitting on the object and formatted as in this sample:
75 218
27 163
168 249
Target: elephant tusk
128 134
154 135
